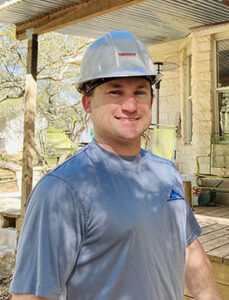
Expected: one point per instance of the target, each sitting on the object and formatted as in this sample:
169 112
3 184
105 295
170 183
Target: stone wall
203 96
173 94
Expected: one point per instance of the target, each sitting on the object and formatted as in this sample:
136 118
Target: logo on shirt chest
175 196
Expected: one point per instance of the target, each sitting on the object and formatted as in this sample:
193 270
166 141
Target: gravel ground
4 288
6 187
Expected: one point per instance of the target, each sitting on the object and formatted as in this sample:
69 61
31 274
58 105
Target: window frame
218 90
189 110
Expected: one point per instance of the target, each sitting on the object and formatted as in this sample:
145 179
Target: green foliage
2 157
57 100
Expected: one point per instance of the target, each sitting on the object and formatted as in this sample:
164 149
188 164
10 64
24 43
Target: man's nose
130 104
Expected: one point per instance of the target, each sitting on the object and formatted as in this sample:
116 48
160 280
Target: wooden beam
226 2
29 121
209 25
72 15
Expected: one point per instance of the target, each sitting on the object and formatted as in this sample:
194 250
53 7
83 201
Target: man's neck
130 148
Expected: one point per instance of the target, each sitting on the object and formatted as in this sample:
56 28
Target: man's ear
151 102
86 101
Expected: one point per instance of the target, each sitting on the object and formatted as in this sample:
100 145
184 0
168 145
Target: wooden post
29 120
188 192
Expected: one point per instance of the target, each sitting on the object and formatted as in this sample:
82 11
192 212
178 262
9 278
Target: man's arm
199 277
27 297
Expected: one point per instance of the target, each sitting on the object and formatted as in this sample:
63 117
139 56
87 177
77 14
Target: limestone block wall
173 97
202 85
203 94
174 93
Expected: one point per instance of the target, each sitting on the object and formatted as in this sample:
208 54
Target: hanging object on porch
161 67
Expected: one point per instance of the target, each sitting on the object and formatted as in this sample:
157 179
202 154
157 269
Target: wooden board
224 290
216 243
213 228
219 253
206 209
212 219
74 14
222 275
221 272
214 222
226 260
11 213
213 235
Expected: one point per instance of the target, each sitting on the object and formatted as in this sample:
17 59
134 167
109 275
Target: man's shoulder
76 165
158 160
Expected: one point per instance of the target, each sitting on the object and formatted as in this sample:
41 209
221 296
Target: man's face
120 110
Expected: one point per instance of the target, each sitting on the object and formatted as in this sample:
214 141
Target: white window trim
216 89
189 121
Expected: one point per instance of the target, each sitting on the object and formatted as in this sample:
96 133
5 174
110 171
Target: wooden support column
29 119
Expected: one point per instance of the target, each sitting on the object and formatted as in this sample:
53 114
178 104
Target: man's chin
130 138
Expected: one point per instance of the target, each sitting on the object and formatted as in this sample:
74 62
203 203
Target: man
112 222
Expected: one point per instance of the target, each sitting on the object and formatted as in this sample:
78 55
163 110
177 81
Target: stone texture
204 66
204 46
203 56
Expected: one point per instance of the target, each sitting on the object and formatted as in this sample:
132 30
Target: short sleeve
193 229
50 240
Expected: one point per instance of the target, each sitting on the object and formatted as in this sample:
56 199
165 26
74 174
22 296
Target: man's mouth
127 119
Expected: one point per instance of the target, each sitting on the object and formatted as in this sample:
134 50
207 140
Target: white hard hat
116 54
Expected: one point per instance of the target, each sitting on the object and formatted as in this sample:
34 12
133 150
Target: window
222 86
189 102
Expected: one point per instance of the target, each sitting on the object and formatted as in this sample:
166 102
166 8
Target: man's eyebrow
117 85
141 86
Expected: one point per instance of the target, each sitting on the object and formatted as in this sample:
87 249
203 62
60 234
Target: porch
214 222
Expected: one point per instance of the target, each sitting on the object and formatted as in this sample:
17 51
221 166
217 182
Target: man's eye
140 92
115 92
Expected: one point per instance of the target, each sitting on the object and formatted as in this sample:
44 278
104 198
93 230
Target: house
193 34
11 135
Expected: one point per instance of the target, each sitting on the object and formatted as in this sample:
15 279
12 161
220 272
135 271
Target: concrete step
7 260
8 237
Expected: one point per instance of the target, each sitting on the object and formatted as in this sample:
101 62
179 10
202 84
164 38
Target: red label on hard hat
127 54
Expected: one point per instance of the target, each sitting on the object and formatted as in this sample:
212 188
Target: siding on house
11 133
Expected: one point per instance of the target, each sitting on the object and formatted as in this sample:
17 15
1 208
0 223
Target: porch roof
152 21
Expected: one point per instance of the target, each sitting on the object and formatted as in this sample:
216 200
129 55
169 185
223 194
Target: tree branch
5 165
12 97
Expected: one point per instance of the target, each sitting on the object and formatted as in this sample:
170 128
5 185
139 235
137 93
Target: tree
57 102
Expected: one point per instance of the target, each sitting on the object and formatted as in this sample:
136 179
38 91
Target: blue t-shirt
106 227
